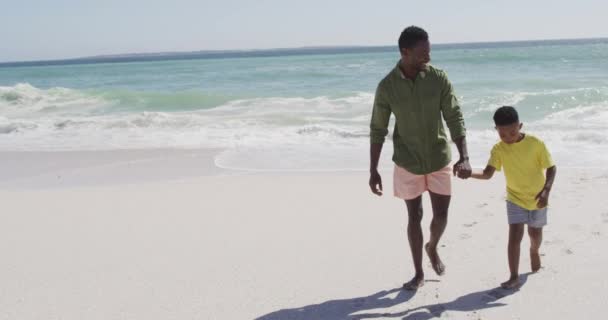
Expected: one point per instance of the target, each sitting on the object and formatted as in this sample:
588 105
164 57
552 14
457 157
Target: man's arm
487 173
378 131
375 181
462 167
450 109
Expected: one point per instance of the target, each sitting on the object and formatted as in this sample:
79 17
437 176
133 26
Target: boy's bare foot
534 260
512 283
414 284
436 262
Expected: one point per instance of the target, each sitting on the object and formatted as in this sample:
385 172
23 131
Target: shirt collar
422 74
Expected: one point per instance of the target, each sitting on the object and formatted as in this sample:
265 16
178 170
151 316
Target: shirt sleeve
381 114
544 158
495 160
450 109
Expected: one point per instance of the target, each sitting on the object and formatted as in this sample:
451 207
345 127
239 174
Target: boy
523 157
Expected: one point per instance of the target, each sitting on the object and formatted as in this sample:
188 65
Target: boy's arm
543 195
487 173
550 177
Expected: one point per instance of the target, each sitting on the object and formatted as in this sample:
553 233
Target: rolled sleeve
450 108
380 117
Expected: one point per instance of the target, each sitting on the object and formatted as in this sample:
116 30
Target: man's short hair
411 36
505 116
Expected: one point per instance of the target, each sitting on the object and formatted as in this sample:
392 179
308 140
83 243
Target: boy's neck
521 137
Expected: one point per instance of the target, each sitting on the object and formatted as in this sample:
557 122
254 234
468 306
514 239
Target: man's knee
414 212
440 214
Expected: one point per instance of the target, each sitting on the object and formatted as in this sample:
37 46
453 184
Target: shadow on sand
470 302
351 309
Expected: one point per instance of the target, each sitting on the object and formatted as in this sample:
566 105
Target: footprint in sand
596 233
552 242
580 180
465 236
568 251
605 217
468 225
575 227
481 205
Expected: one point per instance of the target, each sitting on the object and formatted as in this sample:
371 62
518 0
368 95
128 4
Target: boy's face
510 133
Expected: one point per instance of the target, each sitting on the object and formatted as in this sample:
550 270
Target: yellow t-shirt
523 163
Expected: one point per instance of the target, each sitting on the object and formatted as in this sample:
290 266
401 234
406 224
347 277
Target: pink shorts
407 185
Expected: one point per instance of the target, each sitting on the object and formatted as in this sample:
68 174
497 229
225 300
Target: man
419 95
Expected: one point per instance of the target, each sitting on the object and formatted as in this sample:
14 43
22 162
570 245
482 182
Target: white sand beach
165 235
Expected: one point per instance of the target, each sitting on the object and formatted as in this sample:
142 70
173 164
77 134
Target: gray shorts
534 218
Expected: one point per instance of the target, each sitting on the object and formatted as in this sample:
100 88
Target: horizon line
253 51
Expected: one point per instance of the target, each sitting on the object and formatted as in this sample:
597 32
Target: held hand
543 198
375 183
462 169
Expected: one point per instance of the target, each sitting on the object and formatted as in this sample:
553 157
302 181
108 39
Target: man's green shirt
419 139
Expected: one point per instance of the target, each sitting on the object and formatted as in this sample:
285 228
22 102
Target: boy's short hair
411 36
505 116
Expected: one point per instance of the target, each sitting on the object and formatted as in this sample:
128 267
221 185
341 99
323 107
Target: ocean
306 110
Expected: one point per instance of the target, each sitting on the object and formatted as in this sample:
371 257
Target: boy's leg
414 235
441 204
536 238
538 219
516 233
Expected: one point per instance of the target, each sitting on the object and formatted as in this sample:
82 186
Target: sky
59 29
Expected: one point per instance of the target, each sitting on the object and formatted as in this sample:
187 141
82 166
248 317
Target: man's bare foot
534 260
414 284
436 262
512 283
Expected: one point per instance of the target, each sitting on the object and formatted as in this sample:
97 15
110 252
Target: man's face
418 56
509 134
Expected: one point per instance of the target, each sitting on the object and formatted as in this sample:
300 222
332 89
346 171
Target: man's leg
516 233
414 235
441 204
536 238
